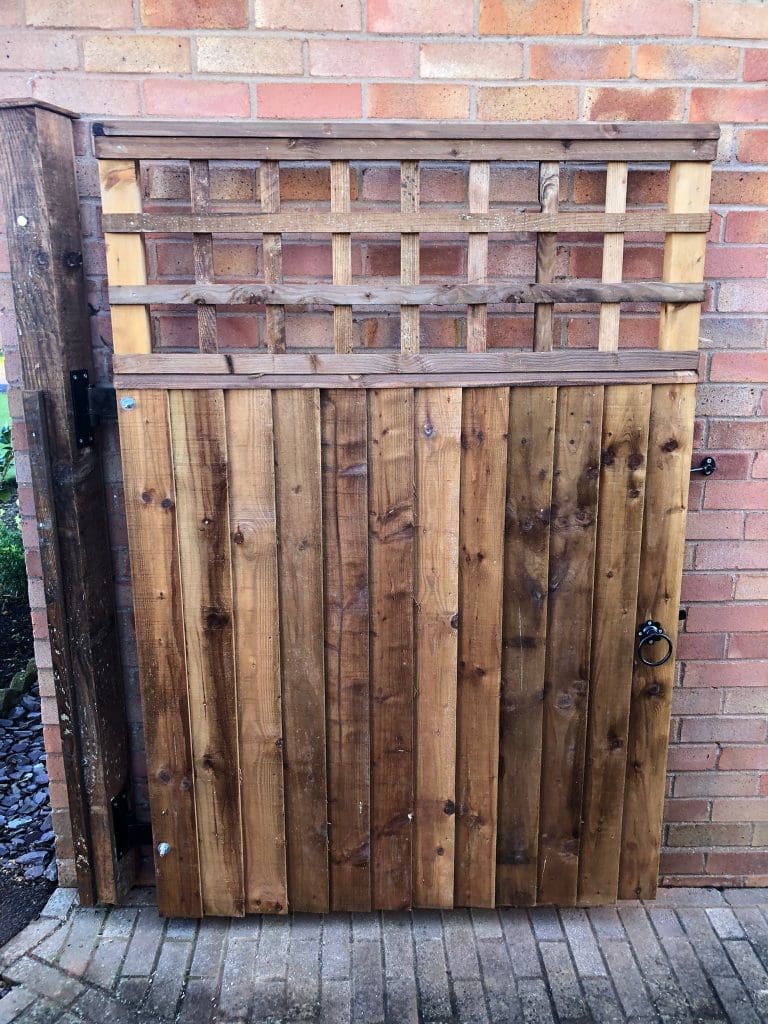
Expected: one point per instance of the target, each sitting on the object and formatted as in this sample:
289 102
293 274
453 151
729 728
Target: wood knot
449 807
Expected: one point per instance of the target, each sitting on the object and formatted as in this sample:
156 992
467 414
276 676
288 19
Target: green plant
13 572
7 468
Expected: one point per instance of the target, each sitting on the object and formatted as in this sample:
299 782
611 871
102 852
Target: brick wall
489 60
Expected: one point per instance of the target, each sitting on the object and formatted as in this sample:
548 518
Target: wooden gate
387 600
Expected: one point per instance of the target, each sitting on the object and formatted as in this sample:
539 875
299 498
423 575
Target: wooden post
40 198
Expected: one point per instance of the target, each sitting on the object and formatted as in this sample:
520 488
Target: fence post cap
28 101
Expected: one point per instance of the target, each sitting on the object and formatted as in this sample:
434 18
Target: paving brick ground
693 955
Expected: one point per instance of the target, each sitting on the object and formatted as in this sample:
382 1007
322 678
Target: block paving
692 955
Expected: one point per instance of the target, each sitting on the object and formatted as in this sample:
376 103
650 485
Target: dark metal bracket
90 406
129 833
102 403
707 466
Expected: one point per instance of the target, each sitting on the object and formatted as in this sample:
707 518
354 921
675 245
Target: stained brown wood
524 636
200 465
300 576
391 543
375 222
485 421
202 251
156 578
477 254
345 556
252 514
546 256
613 255
573 530
274 316
341 246
437 435
622 494
410 189
661 560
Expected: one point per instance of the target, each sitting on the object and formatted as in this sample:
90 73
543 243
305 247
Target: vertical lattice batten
477 255
126 262
202 250
341 246
274 316
409 254
689 185
546 255
613 255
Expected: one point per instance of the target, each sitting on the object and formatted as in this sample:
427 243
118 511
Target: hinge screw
163 849
22 221
127 403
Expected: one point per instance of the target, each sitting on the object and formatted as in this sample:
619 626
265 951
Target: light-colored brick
180 14
248 56
347 58
471 60
308 15
640 18
697 63
745 105
53 51
148 54
530 17
90 94
430 102
527 103
167 97
579 62
314 100
733 19
77 14
411 17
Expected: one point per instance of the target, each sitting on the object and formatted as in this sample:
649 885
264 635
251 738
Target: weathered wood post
37 177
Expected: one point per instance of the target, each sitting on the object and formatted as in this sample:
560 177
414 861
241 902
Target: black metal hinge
129 833
90 405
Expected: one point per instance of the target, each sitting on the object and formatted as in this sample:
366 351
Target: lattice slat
477 255
409 254
269 188
546 255
613 255
341 251
202 249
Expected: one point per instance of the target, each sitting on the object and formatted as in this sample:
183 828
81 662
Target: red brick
726 400
182 14
755 66
760 466
729 104
686 810
723 261
732 673
430 102
53 51
344 58
528 103
744 758
740 188
89 94
403 17
746 700
752 588
733 20
737 618
698 63
640 18
52 739
78 14
707 587
634 104
311 15
752 147
709 834
746 862
721 729
698 701
684 862
169 97
750 435
248 56
530 17
700 645
691 757
716 783
742 495
739 366
568 62
748 227
744 555
756 526
471 60
712 526
438 184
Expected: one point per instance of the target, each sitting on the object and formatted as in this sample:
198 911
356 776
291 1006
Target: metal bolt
127 403
22 221
163 849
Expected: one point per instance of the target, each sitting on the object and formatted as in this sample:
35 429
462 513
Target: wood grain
438 458
485 421
546 256
274 316
202 252
622 492
252 517
573 532
198 432
341 252
345 556
300 576
410 192
477 254
613 255
391 540
524 632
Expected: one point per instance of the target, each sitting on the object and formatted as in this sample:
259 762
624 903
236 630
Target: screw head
163 849
128 403
22 221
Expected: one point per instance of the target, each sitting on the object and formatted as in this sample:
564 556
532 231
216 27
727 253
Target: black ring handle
648 634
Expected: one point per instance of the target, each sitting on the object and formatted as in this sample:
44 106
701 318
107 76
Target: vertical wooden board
345 558
661 565
274 316
524 632
613 255
569 634
257 646
391 540
477 254
485 421
198 433
341 255
202 252
622 490
153 536
546 256
410 189
438 465
300 577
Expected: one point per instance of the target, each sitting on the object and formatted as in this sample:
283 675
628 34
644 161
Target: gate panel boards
387 599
